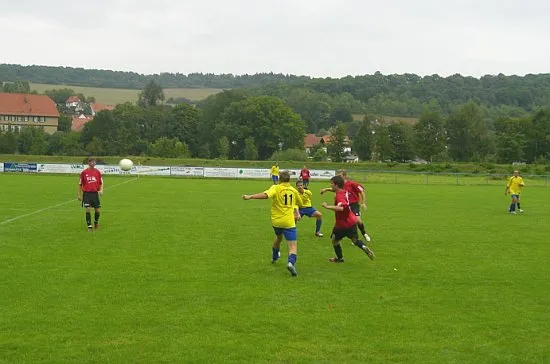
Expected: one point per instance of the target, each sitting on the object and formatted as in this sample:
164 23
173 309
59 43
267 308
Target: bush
297 155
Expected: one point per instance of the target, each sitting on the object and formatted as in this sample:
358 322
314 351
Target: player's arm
332 207
507 187
79 192
256 196
100 185
363 198
327 189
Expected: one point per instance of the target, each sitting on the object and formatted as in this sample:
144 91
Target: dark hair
284 176
338 181
342 172
299 182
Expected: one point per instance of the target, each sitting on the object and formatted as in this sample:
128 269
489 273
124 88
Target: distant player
306 208
275 173
513 187
284 214
90 187
357 199
345 221
304 176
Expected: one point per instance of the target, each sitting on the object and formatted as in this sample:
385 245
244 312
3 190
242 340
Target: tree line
245 124
395 95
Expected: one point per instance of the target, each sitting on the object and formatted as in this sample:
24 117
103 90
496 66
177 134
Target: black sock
338 251
358 243
96 217
519 206
361 227
88 219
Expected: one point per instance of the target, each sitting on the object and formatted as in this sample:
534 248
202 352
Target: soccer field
180 271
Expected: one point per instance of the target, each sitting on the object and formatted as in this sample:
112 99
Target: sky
317 38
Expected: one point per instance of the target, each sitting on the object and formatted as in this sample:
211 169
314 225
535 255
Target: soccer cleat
520 210
367 237
336 260
512 212
369 252
273 260
90 228
292 269
96 225
319 234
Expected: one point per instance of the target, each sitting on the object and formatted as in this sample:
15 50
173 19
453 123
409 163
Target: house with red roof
18 111
73 101
78 122
98 106
311 140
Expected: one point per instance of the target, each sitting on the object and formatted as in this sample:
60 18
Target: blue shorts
308 211
289 233
275 179
515 196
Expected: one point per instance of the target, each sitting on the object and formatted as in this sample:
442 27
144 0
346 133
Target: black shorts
341 233
355 208
91 199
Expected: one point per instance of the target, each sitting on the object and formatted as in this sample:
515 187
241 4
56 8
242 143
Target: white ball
125 164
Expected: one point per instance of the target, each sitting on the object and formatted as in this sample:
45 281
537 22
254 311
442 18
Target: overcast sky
318 38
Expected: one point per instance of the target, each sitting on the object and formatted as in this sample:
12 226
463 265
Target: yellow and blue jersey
515 183
284 200
306 199
274 170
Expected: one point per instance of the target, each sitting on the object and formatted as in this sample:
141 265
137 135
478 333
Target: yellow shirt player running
513 187
284 214
306 208
275 173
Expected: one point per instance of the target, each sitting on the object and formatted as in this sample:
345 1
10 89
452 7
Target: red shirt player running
357 199
345 221
90 187
304 176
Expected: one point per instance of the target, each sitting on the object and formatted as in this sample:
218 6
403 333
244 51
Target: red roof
310 140
98 106
27 105
79 121
72 99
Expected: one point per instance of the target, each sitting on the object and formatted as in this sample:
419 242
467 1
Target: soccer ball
125 164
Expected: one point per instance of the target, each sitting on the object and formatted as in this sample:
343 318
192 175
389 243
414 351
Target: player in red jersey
304 176
357 199
90 187
345 221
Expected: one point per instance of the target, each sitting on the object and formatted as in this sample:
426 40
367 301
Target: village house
18 111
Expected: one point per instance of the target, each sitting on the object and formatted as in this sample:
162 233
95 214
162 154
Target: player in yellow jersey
307 209
513 187
275 173
284 214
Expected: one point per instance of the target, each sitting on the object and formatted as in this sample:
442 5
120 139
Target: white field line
57 205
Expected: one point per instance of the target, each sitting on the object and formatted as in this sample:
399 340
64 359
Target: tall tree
336 147
402 140
429 135
364 140
383 147
152 95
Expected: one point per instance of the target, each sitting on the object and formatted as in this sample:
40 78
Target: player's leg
357 211
97 210
352 234
318 222
292 240
512 208
87 206
518 203
276 249
336 236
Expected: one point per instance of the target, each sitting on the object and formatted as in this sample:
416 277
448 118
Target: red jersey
90 180
354 189
304 173
344 219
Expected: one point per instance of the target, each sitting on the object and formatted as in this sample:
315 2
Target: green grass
113 96
180 272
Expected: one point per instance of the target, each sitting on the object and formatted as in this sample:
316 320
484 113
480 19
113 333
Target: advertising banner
187 171
55 168
20 167
1 167
220 172
253 173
